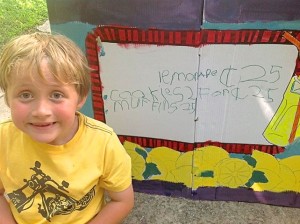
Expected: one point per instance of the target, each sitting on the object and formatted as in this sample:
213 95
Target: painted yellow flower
265 161
273 179
201 164
206 158
287 180
185 159
205 161
183 170
137 160
233 172
281 175
293 163
165 160
183 174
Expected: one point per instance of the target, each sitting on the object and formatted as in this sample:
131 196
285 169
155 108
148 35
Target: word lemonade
179 91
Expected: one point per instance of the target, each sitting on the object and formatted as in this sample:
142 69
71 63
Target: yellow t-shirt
62 184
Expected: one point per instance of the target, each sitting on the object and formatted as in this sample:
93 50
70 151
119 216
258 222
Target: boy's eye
26 96
56 95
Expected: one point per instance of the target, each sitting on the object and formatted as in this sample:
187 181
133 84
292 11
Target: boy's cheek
15 105
18 110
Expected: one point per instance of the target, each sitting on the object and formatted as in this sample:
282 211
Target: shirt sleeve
117 167
1 155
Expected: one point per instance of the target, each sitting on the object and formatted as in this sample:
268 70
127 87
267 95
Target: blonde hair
66 61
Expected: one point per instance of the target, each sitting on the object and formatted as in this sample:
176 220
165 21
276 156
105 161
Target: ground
154 209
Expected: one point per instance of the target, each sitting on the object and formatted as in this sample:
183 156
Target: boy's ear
81 102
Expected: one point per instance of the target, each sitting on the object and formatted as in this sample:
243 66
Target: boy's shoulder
7 123
7 127
95 124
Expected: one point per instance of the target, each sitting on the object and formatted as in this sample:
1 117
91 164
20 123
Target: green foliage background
20 16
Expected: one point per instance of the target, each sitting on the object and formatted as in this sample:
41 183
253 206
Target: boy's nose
41 108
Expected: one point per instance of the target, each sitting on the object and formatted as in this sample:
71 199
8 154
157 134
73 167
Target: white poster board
225 93
240 89
140 96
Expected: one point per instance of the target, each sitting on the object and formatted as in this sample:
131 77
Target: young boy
56 163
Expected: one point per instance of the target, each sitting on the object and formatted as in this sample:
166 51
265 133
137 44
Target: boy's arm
5 213
117 209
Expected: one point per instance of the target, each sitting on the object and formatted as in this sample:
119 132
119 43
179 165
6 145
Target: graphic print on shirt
55 200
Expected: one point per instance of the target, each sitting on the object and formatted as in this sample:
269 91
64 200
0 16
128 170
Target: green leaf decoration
250 160
259 177
151 169
206 173
249 183
141 152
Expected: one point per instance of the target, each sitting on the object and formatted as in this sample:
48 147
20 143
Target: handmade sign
204 95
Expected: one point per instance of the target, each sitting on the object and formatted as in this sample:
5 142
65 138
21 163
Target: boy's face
44 109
